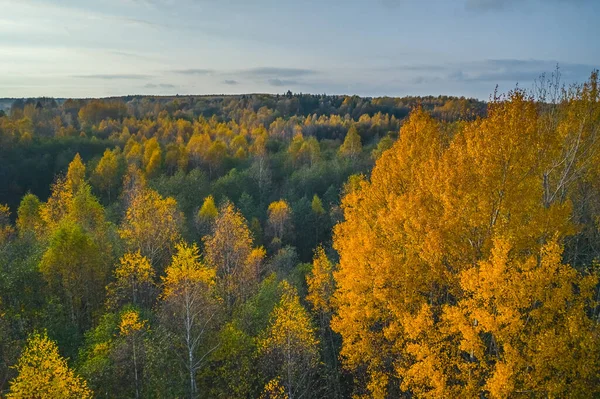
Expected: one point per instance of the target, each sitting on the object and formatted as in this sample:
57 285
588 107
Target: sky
92 48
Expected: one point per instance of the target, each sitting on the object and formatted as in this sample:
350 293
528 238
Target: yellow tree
131 328
190 308
151 157
133 183
289 345
279 221
197 148
320 282
524 326
321 286
151 224
106 173
274 390
71 200
431 210
77 259
75 174
215 156
133 153
206 215
134 280
230 251
44 374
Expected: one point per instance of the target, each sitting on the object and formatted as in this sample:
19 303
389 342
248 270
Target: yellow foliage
290 342
131 323
523 323
75 174
44 374
230 251
185 271
209 209
280 215
274 390
317 205
352 145
151 224
411 249
106 171
320 282
133 273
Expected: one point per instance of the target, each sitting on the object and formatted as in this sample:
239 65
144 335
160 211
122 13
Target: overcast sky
85 48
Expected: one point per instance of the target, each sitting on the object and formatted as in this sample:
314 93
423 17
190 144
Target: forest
302 246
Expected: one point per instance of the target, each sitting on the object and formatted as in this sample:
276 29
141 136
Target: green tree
352 146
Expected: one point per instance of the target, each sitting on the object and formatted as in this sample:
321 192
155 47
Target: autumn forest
302 246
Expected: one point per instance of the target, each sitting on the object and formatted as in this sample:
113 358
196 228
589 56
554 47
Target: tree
197 148
230 251
6 228
431 211
152 156
320 282
207 215
215 156
279 222
28 215
115 356
317 205
134 280
260 169
274 390
107 171
75 174
134 183
318 213
384 144
44 374
154 163
131 329
352 145
321 286
289 344
525 326
151 225
73 266
190 308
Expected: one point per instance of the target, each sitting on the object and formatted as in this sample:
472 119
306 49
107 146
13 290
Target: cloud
159 86
193 71
113 76
515 70
490 71
277 72
487 5
484 5
230 82
281 82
